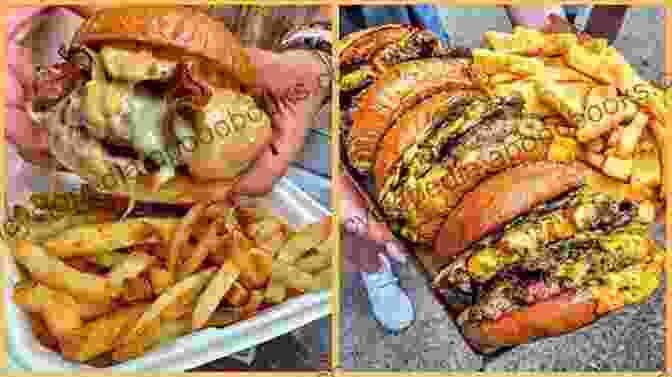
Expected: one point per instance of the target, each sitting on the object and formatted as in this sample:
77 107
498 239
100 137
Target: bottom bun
559 315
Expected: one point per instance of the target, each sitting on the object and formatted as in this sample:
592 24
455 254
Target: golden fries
99 336
161 279
56 274
182 235
214 293
130 268
292 277
59 310
212 240
237 295
307 238
276 292
314 263
192 283
161 333
102 292
91 239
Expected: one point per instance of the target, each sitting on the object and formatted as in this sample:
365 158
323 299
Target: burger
544 249
153 103
476 173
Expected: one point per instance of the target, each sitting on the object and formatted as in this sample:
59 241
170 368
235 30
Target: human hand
291 81
31 142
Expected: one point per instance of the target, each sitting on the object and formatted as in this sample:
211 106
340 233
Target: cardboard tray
199 347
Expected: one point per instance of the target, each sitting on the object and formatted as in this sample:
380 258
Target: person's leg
365 244
428 16
606 21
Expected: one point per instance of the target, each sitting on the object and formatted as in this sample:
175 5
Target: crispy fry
210 242
92 310
83 264
161 279
293 277
270 233
263 262
41 332
99 336
91 239
55 274
40 231
250 308
213 294
183 306
307 238
192 283
163 333
325 278
107 259
182 233
137 289
275 293
250 278
223 317
237 295
130 268
314 263
59 310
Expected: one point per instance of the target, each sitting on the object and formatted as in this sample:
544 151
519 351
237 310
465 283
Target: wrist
263 61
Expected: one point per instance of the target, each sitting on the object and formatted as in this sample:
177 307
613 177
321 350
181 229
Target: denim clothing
353 18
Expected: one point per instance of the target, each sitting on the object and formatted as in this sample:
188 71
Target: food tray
199 347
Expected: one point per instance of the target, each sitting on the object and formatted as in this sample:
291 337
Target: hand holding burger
259 164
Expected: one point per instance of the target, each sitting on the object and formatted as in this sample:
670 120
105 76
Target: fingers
288 137
21 74
20 130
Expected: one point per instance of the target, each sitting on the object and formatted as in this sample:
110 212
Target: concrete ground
632 339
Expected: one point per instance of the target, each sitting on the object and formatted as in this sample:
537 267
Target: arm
534 18
605 21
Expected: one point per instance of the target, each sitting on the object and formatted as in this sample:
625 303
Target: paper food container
199 347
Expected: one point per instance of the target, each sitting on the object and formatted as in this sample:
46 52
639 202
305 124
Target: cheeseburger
153 103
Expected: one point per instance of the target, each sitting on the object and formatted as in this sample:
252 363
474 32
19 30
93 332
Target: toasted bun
363 43
503 197
560 315
383 99
184 30
411 124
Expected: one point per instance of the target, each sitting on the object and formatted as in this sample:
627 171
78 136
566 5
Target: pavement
632 339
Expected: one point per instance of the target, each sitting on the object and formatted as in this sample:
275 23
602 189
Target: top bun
180 31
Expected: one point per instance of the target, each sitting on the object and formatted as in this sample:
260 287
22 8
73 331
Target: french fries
213 294
162 333
99 336
102 292
192 283
59 310
276 292
130 268
91 239
307 238
182 235
56 274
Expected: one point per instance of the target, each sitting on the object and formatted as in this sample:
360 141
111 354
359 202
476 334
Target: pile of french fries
603 113
102 290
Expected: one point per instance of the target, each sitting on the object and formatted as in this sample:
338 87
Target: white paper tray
197 348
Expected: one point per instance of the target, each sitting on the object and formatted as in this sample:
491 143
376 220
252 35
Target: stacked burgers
483 160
